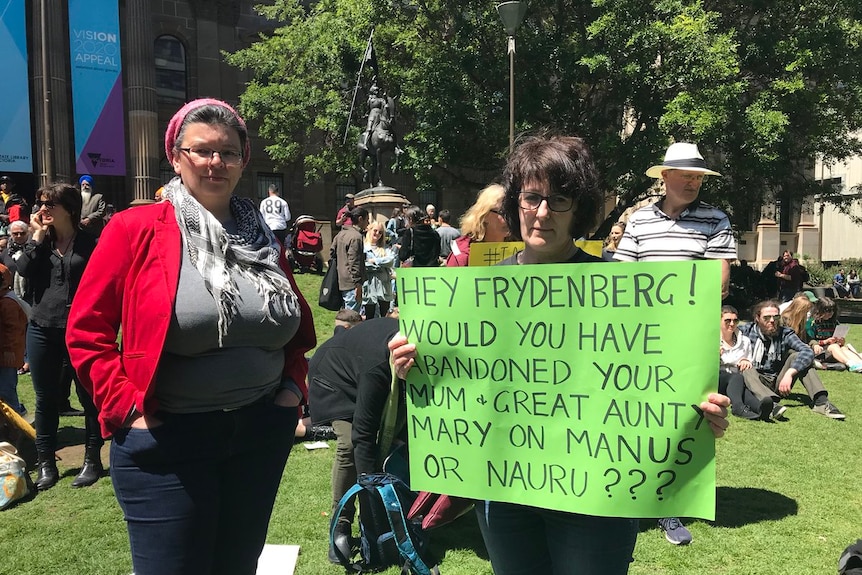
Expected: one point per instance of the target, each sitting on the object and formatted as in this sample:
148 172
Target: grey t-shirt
194 374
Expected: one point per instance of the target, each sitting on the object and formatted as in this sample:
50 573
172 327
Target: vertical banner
15 138
97 87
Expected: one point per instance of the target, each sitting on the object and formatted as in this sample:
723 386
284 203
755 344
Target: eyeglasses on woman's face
205 155
730 321
46 204
529 200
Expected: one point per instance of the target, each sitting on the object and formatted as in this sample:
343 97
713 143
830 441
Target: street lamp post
512 15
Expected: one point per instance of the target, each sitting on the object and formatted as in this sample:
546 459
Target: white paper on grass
278 560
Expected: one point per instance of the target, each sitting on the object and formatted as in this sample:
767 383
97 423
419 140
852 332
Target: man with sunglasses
779 358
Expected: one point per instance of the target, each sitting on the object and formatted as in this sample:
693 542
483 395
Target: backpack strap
351 494
395 514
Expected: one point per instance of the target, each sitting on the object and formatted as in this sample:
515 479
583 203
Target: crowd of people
191 358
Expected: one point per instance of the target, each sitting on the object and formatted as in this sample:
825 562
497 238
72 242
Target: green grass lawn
789 501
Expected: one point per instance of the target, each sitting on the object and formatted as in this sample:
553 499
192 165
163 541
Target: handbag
330 294
436 510
15 482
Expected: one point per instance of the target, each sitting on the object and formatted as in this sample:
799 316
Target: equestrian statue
379 137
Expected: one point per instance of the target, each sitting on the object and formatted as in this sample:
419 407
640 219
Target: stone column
60 147
144 146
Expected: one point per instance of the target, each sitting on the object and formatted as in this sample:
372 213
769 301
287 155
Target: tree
763 87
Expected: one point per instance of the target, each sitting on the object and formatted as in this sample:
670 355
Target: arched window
171 81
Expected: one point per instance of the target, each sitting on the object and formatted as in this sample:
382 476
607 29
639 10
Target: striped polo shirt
700 232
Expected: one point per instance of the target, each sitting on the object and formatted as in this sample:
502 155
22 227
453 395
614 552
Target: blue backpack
387 537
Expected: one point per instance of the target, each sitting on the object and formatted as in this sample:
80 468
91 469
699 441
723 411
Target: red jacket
131 280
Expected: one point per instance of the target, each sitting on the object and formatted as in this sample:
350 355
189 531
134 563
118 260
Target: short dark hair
414 214
213 115
728 309
566 165
444 215
357 213
67 196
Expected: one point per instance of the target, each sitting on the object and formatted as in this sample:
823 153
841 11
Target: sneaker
746 413
818 364
829 410
778 410
834 366
675 531
856 368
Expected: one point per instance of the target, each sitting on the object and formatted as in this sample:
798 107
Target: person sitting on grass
820 332
735 358
780 358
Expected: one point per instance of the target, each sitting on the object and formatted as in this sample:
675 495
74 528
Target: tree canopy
764 87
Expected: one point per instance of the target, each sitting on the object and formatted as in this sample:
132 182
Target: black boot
47 474
92 469
342 542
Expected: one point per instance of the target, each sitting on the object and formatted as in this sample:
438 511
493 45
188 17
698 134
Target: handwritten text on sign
570 387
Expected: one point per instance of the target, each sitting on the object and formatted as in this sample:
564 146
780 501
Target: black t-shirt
579 257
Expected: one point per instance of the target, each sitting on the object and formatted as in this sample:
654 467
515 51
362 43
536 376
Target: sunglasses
730 321
47 203
768 318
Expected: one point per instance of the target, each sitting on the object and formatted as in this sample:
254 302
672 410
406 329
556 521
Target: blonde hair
380 246
610 243
473 220
795 315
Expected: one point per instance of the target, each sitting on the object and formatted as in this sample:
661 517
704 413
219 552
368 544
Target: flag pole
356 88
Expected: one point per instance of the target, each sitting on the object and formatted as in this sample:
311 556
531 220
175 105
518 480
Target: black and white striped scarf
219 256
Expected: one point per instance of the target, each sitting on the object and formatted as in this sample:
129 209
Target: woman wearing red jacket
201 394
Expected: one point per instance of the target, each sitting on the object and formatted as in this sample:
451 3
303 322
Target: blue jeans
50 369
9 388
197 491
349 297
524 540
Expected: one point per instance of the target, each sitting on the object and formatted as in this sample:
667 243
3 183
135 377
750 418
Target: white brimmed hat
682 156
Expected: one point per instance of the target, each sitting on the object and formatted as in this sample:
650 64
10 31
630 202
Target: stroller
306 243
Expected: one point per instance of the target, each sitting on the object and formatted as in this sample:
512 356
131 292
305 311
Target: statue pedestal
379 202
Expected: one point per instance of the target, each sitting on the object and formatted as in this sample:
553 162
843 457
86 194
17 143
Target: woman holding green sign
551 197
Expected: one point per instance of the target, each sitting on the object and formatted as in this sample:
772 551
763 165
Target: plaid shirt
784 341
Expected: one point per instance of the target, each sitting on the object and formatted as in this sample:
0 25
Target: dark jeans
50 369
197 491
525 540
733 386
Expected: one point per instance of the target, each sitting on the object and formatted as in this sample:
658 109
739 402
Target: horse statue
378 139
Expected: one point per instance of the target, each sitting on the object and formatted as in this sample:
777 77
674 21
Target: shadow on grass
463 533
738 506
68 435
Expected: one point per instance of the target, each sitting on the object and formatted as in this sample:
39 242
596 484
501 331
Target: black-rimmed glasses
46 203
556 202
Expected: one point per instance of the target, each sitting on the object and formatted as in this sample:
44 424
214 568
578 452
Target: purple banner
97 87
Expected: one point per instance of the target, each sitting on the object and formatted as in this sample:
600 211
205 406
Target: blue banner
16 151
97 87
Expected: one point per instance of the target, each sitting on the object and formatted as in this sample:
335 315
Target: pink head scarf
177 121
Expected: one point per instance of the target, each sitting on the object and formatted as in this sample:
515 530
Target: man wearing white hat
679 227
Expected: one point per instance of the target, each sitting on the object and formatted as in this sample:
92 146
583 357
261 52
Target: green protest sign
569 387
